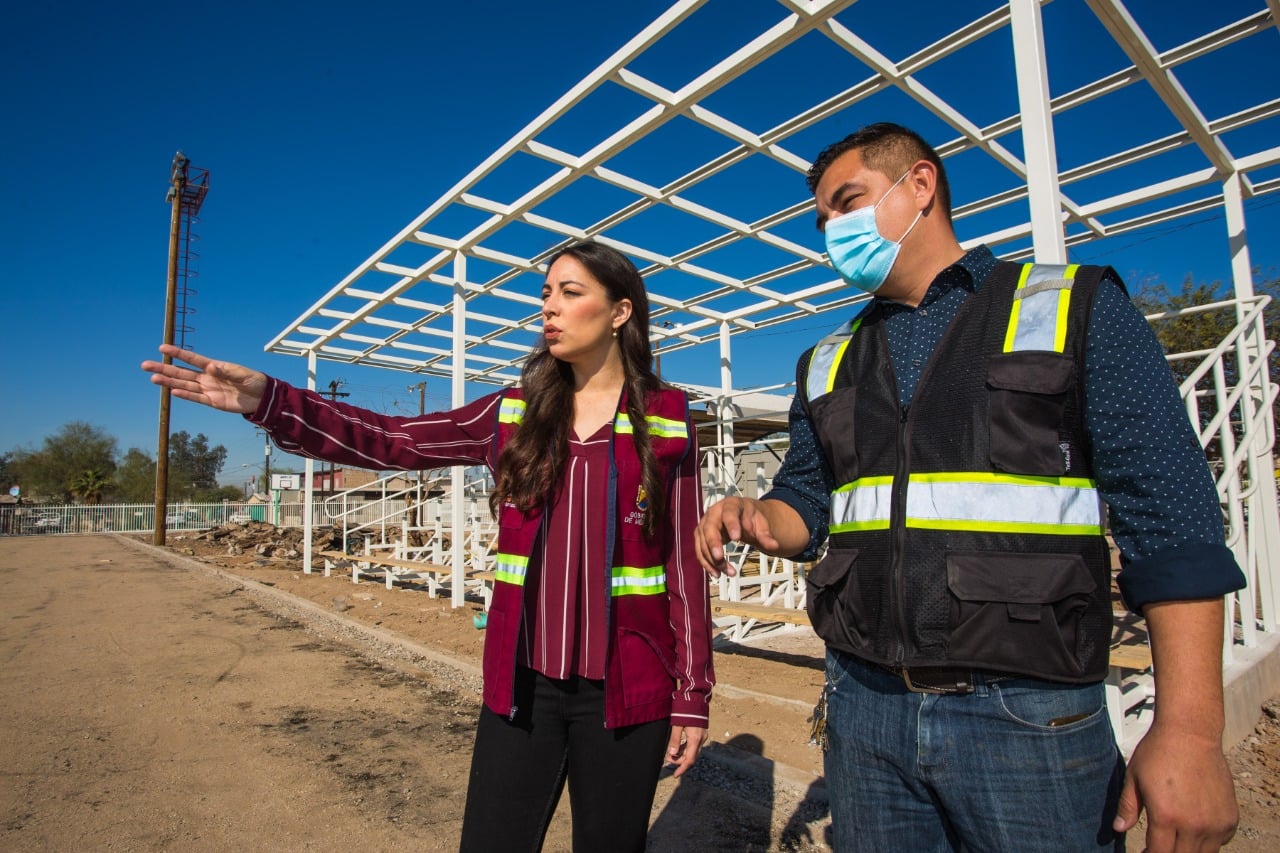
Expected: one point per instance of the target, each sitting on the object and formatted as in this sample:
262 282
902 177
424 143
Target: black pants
519 768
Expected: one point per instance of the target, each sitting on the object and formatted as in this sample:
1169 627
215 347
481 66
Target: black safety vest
966 528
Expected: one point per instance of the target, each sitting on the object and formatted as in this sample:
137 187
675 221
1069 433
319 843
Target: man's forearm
1186 649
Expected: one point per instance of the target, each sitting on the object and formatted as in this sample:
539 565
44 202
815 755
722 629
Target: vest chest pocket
1026 404
1018 612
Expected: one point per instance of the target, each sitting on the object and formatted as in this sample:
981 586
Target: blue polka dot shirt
1147 461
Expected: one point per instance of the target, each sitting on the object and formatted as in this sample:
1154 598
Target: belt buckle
956 687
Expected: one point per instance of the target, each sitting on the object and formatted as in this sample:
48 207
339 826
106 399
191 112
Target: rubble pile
268 541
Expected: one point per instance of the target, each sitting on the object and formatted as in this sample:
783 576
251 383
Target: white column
1237 236
727 467
1263 547
1027 29
458 477
308 491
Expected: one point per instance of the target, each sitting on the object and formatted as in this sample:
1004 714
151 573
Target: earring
615 333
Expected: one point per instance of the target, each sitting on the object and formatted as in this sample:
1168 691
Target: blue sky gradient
327 126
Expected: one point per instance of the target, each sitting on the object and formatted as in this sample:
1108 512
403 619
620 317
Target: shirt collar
968 273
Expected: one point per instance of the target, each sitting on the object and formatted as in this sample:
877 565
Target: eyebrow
562 282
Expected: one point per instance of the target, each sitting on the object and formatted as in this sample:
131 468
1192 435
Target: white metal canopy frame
686 149
455 292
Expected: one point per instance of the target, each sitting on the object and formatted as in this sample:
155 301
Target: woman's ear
621 313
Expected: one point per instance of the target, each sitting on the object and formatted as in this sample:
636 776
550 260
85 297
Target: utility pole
266 463
422 410
186 194
334 394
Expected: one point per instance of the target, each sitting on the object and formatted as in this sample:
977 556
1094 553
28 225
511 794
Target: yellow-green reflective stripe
830 382
1016 310
662 427
631 580
511 568
976 500
511 411
856 526
1038 320
1007 527
1007 479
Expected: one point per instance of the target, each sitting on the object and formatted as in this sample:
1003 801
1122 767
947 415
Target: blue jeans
980 771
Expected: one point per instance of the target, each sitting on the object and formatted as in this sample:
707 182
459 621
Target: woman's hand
683 747
217 384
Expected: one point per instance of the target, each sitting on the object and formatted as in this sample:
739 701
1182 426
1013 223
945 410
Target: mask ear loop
914 222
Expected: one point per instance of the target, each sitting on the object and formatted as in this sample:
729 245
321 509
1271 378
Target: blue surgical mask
858 251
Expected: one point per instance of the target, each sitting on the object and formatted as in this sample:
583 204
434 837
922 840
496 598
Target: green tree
91 485
229 493
1207 329
7 474
194 467
136 477
76 447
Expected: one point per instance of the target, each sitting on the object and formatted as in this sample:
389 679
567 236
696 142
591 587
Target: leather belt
945 680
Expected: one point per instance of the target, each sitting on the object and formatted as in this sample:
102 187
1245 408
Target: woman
598 647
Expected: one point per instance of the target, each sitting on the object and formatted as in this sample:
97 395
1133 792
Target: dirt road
148 706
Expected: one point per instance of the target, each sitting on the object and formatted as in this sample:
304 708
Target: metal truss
454 294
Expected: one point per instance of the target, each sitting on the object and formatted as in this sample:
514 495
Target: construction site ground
211 696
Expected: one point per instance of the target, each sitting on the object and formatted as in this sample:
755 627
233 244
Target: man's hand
1181 779
771 526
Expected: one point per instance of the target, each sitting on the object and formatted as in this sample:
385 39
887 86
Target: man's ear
923 179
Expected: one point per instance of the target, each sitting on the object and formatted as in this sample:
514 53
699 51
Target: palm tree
90 485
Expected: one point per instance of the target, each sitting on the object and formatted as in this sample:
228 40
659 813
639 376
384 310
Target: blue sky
326 127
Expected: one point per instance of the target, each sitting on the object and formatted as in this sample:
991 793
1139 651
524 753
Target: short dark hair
888 148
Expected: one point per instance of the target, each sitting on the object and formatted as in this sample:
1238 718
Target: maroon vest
641 640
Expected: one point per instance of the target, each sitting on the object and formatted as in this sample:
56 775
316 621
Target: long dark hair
532 461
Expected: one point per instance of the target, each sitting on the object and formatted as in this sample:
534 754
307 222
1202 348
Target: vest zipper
898 541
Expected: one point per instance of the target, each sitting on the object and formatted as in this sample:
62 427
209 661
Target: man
957 438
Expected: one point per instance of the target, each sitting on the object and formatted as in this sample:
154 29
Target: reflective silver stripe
1038 318
821 375
975 501
862 505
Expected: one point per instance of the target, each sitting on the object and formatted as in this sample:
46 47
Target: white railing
1229 397
388 524
28 520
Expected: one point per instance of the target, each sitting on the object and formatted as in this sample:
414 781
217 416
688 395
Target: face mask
858 251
